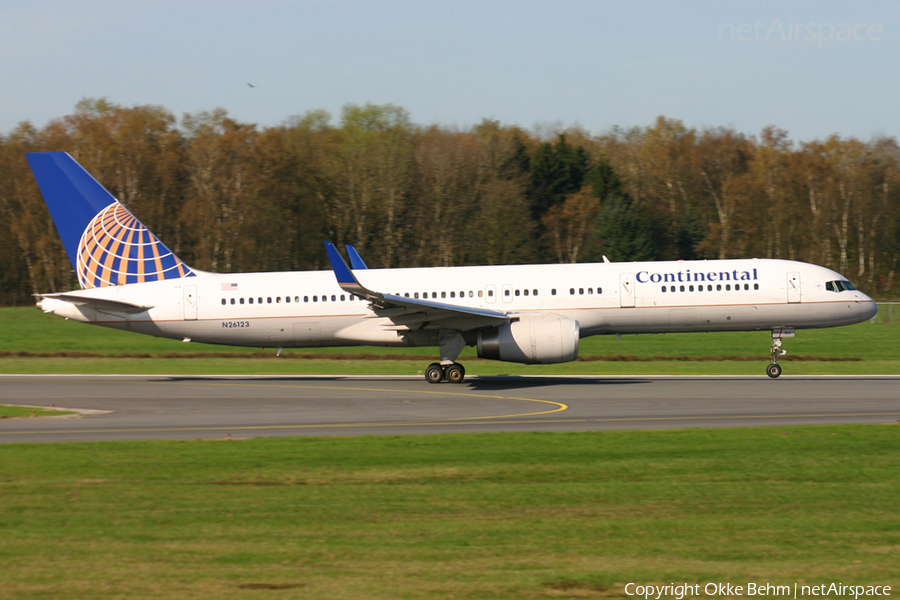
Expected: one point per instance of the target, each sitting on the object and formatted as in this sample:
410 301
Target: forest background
228 196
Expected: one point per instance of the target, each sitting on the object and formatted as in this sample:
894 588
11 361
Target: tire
773 370
455 373
434 373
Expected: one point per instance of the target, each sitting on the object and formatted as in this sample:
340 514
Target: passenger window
581 291
672 289
727 287
599 290
490 293
690 288
755 286
709 288
287 299
250 300
443 294
296 298
333 298
664 289
306 298
342 297
453 294
517 292
553 291
269 300
241 301
480 294
315 298
746 287
232 300
590 290
259 300
506 292
525 292
416 295
324 298
534 293
571 291
718 287
471 295
223 301
681 288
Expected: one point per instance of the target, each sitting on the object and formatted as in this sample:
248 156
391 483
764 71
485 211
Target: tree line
231 196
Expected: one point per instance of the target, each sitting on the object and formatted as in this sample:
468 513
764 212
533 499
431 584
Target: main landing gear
436 373
774 369
448 369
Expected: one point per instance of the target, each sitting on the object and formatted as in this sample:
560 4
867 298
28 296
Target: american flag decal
229 287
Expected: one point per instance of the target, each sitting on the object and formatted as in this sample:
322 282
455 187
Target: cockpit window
840 285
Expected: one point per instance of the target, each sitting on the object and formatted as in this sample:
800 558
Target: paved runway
191 407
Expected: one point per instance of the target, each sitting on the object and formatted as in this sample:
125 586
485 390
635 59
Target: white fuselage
303 309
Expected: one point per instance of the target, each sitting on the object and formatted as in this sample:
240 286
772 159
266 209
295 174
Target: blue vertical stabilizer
105 242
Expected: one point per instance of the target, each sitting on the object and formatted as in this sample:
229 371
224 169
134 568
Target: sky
812 68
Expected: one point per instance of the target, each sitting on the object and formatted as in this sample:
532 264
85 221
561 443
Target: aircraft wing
413 312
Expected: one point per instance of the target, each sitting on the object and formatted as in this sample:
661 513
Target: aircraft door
507 293
626 290
793 287
490 293
190 303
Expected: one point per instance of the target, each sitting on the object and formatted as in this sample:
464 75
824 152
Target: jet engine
538 340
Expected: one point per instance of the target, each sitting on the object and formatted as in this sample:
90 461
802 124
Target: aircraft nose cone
867 309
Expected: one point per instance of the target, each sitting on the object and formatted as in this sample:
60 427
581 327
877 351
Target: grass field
531 515
7 412
33 342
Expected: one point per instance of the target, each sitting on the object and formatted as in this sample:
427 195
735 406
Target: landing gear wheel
434 373
455 373
774 369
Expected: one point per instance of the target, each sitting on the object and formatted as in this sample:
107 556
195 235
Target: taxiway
190 407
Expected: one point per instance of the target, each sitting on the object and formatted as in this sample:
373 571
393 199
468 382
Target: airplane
532 314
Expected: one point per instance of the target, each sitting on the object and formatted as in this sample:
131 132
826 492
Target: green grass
7 411
517 515
44 337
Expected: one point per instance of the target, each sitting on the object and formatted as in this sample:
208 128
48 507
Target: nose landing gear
774 369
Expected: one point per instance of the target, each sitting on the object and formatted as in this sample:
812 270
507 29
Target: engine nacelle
540 340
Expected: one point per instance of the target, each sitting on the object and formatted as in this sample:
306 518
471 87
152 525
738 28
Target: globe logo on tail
116 249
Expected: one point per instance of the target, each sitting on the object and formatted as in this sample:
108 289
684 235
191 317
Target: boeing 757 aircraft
523 313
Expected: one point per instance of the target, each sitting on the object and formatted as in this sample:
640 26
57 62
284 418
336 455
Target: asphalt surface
213 407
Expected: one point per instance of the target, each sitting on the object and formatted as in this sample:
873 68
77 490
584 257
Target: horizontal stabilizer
101 304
